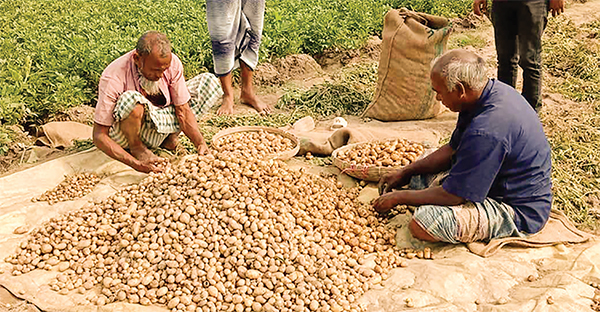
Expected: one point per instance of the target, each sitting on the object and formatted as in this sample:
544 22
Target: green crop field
52 52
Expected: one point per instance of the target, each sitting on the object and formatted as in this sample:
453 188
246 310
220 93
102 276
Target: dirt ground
305 71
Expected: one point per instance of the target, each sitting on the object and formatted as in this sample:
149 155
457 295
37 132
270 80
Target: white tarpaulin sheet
454 281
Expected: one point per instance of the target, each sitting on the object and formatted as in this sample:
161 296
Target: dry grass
349 93
572 122
465 39
572 55
573 130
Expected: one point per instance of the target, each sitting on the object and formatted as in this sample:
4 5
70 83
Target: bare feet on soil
249 98
171 142
226 106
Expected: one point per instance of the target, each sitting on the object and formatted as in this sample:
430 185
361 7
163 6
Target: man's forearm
436 162
189 126
430 196
114 150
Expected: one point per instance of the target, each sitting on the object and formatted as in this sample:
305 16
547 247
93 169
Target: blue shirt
501 152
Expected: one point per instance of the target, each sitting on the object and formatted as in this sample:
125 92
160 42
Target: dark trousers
518 29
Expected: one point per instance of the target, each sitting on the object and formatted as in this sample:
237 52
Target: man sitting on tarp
498 162
144 102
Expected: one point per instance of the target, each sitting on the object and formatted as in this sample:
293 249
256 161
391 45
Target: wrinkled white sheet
16 209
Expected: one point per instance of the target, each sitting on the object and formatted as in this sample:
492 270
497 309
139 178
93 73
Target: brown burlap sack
410 42
61 134
338 139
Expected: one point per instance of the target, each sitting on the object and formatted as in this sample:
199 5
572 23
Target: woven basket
283 155
369 173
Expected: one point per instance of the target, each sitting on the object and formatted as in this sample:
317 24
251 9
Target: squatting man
144 102
493 178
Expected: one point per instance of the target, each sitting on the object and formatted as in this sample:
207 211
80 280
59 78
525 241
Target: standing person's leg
506 27
227 104
223 18
131 127
247 95
533 16
254 11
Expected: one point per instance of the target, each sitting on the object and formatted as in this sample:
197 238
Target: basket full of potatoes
257 142
369 161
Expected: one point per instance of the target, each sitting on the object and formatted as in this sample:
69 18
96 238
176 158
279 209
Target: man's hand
202 149
394 180
148 166
148 162
557 7
430 196
387 201
479 7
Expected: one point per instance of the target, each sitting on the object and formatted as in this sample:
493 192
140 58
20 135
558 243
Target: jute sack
410 42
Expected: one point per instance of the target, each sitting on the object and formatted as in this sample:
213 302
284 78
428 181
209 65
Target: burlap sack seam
439 49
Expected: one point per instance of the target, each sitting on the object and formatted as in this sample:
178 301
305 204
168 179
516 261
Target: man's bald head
151 40
461 66
152 55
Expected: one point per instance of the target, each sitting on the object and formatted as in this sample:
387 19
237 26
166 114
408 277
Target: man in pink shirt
144 102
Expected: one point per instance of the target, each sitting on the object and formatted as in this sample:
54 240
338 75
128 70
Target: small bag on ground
411 41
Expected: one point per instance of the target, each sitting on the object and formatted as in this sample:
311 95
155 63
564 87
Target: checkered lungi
469 222
205 90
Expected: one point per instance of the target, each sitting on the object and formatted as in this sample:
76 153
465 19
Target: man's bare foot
226 106
249 98
171 142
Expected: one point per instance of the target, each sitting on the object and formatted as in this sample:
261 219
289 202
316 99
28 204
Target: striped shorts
159 123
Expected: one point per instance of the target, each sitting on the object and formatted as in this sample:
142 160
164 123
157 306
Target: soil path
581 13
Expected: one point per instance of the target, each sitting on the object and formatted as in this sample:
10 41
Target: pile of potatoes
219 233
596 298
72 187
424 253
392 153
253 144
